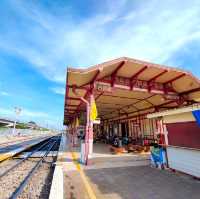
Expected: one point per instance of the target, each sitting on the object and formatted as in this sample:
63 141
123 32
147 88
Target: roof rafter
190 91
134 76
114 73
175 78
158 75
138 73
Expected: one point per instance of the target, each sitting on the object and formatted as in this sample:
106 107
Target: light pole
17 112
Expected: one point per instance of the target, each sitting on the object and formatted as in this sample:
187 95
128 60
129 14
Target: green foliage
21 126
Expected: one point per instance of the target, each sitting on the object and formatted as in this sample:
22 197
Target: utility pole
17 113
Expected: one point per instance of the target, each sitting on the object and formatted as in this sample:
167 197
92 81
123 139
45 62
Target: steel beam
121 97
129 105
159 106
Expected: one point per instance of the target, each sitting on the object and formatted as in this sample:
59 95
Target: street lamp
17 113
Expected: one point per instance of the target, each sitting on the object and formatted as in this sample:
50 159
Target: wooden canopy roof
126 87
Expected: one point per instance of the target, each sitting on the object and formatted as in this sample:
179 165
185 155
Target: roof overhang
125 87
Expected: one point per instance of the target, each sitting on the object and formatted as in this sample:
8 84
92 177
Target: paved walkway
122 177
141 182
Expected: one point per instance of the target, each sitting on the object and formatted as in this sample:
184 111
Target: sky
40 39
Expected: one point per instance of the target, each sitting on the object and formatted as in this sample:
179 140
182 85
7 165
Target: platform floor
122 177
141 182
20 145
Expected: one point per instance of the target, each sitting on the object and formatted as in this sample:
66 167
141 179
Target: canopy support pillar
88 149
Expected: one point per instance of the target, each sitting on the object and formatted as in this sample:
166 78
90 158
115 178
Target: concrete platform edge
57 181
16 151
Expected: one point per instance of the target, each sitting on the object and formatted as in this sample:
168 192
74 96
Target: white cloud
3 93
58 90
152 30
25 113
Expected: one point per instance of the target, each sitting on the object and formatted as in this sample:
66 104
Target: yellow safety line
5 156
84 178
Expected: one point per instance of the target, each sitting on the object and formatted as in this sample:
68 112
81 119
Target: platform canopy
125 88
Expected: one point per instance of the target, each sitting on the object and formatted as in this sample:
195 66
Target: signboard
103 87
97 121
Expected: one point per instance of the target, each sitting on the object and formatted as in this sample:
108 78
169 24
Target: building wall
185 160
184 134
183 148
182 117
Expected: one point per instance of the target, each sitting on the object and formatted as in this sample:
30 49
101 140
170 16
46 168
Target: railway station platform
19 145
115 177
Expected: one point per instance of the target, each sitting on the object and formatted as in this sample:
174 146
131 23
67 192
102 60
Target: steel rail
21 161
20 188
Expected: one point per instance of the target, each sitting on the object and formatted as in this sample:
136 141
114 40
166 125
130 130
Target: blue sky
39 39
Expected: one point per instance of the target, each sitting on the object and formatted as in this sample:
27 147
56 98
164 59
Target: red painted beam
190 91
108 103
94 78
114 73
69 109
124 83
152 80
121 97
66 92
149 102
130 117
85 97
135 107
70 117
158 75
138 73
71 105
98 96
118 68
73 98
77 87
175 78
90 82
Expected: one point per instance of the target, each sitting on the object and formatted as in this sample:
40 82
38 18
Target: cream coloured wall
180 117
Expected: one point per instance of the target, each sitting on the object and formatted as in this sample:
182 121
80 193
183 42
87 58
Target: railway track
29 177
